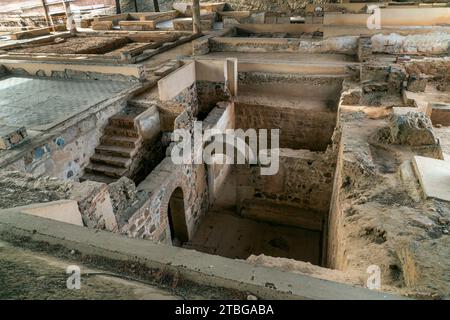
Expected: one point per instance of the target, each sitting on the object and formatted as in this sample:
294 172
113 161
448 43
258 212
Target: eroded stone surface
413 128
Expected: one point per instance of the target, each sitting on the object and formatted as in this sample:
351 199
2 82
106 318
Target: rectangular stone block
440 113
86 23
137 25
11 136
102 25
417 83
62 210
30 34
434 177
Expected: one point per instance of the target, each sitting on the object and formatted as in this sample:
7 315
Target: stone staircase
118 147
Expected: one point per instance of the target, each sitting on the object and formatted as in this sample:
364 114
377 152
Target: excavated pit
282 215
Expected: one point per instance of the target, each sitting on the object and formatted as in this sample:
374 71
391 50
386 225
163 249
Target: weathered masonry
90 125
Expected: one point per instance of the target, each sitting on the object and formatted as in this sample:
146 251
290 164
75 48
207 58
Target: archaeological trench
362 188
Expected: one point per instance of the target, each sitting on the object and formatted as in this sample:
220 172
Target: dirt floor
78 45
234 237
31 275
27 275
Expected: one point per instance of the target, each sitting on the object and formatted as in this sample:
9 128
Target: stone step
114 172
126 142
117 151
118 131
122 122
98 177
111 160
165 70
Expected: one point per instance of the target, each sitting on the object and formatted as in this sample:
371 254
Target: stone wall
304 108
299 129
148 157
202 96
291 6
209 93
144 5
305 179
291 85
188 98
151 220
220 118
432 43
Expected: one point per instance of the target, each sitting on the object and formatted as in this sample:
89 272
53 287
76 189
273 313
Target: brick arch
165 203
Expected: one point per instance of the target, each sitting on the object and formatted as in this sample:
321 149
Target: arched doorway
177 218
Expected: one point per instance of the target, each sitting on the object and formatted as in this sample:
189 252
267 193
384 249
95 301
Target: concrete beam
30 34
200 268
434 177
171 85
62 210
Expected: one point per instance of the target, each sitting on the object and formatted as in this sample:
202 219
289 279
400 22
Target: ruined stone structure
283 153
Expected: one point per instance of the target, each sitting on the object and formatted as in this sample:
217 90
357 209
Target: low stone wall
437 69
63 152
344 45
144 5
127 73
433 43
393 43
